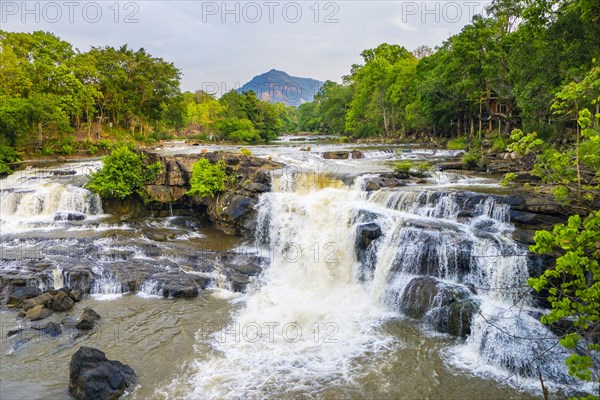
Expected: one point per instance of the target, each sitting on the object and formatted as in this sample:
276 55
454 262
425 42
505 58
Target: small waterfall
150 288
105 285
58 278
47 202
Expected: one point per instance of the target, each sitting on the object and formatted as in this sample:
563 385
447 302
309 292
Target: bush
472 158
499 143
403 167
66 149
207 179
104 144
460 143
422 169
123 174
344 139
245 152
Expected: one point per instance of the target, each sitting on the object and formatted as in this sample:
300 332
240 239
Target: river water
322 320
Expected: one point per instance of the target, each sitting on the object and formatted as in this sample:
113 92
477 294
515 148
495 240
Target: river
325 319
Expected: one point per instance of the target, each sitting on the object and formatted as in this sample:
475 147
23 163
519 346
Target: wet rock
177 285
69 216
528 218
37 313
238 281
51 329
447 308
93 376
62 302
44 299
88 319
75 295
79 278
365 234
20 293
14 332
376 183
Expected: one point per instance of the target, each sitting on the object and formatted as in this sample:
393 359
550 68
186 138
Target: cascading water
343 261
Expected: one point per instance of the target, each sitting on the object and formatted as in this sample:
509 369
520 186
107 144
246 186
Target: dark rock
247 269
14 332
69 216
87 319
237 207
51 329
38 312
257 187
75 295
177 285
376 183
21 293
447 308
43 299
62 302
93 376
528 218
365 234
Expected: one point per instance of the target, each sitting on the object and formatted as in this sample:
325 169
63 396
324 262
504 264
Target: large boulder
447 308
92 376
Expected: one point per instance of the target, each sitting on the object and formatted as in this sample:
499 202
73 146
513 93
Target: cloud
210 42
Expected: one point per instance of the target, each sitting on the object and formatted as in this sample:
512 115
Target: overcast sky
230 42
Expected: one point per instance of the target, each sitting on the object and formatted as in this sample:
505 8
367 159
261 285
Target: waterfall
150 288
57 278
46 203
343 260
105 286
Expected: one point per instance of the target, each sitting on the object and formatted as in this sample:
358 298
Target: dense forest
55 99
500 72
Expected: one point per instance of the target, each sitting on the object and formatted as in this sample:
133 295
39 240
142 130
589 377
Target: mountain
279 87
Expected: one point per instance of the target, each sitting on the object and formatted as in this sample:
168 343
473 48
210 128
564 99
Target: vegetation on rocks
207 179
123 174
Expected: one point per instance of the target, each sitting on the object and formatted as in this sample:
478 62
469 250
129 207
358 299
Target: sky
220 45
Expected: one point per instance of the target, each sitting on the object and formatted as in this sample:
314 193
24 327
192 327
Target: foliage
245 152
460 143
508 179
403 167
8 155
207 179
472 158
573 286
123 174
523 144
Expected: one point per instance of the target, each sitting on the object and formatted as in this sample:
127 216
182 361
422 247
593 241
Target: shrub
123 174
66 149
245 152
472 158
207 179
104 144
93 150
344 139
422 169
460 143
403 167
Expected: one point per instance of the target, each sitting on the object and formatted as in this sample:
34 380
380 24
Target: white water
312 284
105 286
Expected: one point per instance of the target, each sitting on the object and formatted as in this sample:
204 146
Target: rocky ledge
232 211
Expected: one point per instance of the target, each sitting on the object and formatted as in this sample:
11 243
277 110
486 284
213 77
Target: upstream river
322 320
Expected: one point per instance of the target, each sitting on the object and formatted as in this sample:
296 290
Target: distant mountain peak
278 86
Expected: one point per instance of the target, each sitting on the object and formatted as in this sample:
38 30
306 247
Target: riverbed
323 320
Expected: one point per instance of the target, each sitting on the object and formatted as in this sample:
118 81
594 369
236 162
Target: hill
279 87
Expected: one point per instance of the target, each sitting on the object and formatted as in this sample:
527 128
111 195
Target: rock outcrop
231 211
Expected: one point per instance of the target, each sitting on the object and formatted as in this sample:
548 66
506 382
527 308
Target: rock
51 329
376 183
75 295
69 216
305 148
514 155
365 234
43 299
238 206
38 312
336 155
447 308
87 319
257 187
62 302
21 293
61 159
528 218
486 143
93 376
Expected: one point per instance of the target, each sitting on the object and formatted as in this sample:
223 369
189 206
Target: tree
573 285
